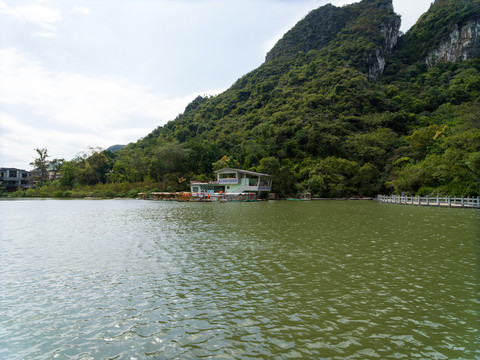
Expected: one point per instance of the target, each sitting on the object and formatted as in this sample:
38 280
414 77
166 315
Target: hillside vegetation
321 117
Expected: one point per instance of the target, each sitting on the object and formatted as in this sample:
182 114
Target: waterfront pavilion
235 181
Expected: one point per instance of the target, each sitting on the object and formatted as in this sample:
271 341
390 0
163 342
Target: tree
284 181
94 168
372 147
339 176
171 160
41 165
69 174
56 166
368 180
225 162
316 185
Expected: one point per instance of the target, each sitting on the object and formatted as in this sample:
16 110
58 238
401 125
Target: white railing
446 201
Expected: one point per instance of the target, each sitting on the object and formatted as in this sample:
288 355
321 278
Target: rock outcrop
314 32
369 28
390 31
462 44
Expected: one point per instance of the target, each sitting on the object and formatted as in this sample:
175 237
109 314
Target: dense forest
344 105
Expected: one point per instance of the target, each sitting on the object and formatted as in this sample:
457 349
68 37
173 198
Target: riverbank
213 197
103 191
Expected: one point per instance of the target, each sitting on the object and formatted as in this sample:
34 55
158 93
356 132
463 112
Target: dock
198 197
439 201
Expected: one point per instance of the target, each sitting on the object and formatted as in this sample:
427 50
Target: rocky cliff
463 43
313 32
389 31
448 32
370 28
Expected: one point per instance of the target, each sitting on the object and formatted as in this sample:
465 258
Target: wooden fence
443 201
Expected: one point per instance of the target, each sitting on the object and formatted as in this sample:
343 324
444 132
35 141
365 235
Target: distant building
11 179
53 172
234 181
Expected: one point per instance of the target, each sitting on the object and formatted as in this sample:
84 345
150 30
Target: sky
76 74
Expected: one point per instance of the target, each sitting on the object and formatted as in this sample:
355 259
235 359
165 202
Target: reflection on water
165 280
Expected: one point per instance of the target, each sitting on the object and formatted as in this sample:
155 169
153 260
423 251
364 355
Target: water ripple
332 280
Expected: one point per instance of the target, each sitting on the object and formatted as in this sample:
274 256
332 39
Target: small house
234 181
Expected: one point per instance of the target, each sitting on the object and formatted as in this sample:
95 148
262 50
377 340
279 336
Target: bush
58 194
110 194
18 193
132 193
426 191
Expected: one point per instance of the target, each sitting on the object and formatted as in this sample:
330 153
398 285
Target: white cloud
19 141
81 10
67 112
40 15
76 99
44 34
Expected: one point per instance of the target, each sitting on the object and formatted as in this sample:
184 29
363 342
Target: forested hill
344 105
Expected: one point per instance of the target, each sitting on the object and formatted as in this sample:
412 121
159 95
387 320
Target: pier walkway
441 201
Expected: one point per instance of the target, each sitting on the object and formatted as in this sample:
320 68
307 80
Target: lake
133 279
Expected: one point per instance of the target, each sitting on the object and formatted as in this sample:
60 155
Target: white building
234 181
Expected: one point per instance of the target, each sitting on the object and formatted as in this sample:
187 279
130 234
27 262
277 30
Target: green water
307 280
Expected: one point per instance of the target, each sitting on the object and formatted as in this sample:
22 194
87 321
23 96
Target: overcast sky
85 73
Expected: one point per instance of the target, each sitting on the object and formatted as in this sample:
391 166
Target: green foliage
111 190
434 27
312 117
225 162
40 165
337 177
372 147
69 173
454 169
